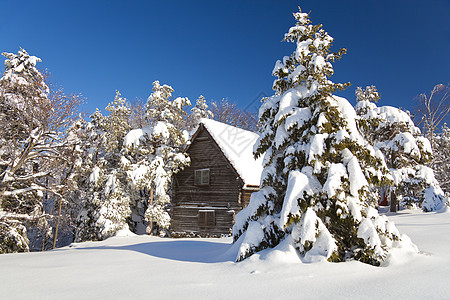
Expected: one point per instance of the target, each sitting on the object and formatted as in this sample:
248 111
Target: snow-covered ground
144 267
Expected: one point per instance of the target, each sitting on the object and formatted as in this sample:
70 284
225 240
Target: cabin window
206 218
201 177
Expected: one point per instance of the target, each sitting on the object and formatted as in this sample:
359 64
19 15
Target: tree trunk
393 201
44 231
60 203
150 223
55 238
150 200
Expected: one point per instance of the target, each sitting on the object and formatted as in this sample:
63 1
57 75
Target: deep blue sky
226 49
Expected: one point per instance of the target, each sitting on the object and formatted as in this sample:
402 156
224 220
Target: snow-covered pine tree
116 125
154 153
76 135
200 110
405 149
317 166
86 176
106 207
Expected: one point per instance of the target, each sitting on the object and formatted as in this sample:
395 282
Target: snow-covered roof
237 146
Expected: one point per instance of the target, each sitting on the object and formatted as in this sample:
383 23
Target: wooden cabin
219 181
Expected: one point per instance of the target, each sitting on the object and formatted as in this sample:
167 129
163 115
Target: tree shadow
188 251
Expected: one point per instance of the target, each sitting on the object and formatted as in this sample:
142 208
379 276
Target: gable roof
237 146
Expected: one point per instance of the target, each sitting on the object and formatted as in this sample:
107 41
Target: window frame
206 218
202 177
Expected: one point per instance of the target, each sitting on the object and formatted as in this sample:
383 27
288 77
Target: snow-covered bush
13 236
318 168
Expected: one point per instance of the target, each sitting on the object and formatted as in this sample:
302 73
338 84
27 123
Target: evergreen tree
405 149
116 125
102 174
200 110
87 172
317 167
154 153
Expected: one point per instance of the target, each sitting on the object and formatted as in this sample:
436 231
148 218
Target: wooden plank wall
185 219
245 197
223 194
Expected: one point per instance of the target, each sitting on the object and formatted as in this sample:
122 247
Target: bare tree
61 113
431 114
137 117
432 110
231 114
441 158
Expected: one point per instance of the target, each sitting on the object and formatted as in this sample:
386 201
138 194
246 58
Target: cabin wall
245 196
222 195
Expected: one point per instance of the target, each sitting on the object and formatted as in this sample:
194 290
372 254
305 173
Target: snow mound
124 232
283 253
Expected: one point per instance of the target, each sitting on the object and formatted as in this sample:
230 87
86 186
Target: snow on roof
237 146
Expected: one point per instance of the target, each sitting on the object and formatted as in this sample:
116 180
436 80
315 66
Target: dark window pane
206 218
201 177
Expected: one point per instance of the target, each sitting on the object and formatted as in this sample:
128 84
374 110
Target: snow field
145 267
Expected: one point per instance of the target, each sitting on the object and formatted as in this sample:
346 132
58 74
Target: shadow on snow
189 251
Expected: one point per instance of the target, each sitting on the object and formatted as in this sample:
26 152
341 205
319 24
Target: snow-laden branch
33 187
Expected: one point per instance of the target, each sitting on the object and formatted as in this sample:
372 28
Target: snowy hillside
144 267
